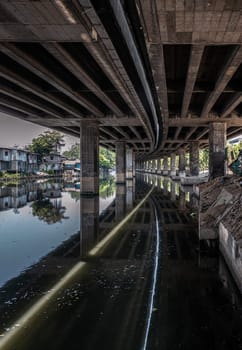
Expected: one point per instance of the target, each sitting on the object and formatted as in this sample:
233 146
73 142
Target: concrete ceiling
152 72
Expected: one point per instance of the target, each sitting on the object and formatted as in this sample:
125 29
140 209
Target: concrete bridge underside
153 76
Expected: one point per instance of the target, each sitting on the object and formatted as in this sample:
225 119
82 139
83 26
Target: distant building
71 167
18 160
53 162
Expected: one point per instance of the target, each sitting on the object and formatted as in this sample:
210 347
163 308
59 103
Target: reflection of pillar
182 162
173 164
129 164
89 223
217 143
182 200
120 162
89 159
129 195
194 158
173 191
165 166
158 166
120 201
165 185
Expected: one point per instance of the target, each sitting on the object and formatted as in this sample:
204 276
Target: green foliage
106 158
232 151
73 152
46 142
204 159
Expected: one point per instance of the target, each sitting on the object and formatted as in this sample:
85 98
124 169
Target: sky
14 131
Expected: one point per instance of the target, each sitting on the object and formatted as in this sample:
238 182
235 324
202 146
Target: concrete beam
75 68
44 73
226 74
232 104
194 63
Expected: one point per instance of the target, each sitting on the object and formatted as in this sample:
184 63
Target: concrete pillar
153 166
165 166
158 166
89 223
129 163
182 162
217 144
173 164
194 158
135 165
120 162
89 158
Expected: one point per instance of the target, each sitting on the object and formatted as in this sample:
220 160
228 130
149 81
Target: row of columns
217 144
125 160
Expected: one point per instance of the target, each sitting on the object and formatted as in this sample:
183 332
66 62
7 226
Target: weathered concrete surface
182 162
129 164
89 158
173 164
120 162
232 252
192 180
217 144
194 158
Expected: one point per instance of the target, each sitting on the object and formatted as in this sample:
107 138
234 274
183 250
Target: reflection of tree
48 212
75 195
107 187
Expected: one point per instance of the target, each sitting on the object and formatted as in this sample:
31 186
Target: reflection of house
71 167
17 160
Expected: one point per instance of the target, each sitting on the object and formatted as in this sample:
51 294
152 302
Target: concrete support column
129 163
165 166
89 158
135 165
158 166
217 144
194 158
149 166
182 162
120 162
173 164
153 166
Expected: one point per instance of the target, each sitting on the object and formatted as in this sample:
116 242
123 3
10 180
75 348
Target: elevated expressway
157 75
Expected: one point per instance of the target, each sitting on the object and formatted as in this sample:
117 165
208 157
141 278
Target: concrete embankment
220 216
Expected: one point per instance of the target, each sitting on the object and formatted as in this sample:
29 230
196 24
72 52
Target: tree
46 142
203 159
106 158
73 152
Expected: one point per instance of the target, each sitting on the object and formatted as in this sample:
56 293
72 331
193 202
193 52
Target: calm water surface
152 285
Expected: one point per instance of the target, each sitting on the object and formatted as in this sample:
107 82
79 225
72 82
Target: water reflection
106 297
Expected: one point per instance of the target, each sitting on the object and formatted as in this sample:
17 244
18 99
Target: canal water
69 279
